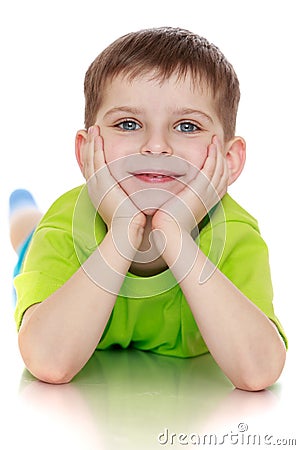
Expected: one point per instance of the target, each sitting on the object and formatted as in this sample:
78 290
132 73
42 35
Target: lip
157 176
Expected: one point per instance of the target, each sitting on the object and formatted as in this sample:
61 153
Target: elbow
259 379
253 385
49 372
256 384
46 369
51 375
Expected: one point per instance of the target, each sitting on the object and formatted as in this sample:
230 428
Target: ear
80 141
235 154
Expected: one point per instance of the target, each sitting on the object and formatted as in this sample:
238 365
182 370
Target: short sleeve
50 261
65 237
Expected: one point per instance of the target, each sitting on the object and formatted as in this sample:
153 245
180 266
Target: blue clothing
21 251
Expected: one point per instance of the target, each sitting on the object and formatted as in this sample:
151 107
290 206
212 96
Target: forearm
243 341
62 332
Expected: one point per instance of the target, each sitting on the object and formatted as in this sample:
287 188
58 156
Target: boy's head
161 92
166 52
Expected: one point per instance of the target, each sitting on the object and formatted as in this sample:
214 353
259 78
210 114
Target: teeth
151 175
155 176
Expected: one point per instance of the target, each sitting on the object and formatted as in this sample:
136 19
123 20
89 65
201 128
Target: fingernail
91 129
215 139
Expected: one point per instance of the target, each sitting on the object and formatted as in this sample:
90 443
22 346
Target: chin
148 208
150 200
149 211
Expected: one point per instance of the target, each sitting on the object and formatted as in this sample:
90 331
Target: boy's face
156 135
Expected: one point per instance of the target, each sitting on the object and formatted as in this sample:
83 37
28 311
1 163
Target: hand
109 199
191 205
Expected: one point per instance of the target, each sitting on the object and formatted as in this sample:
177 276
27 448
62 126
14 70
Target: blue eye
187 127
129 125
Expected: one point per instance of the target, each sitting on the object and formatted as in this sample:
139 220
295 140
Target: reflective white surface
137 400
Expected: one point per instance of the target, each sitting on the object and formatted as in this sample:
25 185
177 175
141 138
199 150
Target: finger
88 155
201 182
224 182
211 160
99 154
219 164
221 174
106 183
99 158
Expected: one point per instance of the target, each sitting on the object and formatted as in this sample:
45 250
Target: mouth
156 177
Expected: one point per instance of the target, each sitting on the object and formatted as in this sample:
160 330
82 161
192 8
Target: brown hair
167 51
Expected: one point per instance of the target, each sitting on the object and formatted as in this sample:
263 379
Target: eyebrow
190 111
126 109
137 111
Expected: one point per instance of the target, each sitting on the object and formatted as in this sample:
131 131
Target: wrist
127 234
178 250
174 221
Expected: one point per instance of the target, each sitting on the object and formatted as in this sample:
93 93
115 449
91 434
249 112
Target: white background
46 47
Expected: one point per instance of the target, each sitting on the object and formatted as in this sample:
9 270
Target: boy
122 261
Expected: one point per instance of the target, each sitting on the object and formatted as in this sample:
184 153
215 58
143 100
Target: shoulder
73 214
232 234
73 202
65 204
230 211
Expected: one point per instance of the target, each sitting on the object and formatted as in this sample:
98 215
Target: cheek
112 150
119 154
117 147
197 156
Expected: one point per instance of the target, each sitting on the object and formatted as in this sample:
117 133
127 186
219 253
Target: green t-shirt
150 313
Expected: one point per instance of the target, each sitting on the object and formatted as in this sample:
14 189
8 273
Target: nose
156 145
